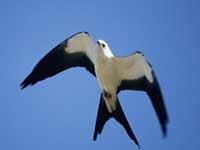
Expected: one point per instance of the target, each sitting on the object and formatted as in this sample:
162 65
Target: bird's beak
98 43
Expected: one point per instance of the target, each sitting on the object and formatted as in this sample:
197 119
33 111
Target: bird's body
107 78
108 83
114 74
109 68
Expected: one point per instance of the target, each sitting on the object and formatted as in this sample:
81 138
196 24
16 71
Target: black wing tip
163 116
95 136
138 145
29 80
164 128
24 84
164 132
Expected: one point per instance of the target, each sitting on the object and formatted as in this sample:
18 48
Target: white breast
106 74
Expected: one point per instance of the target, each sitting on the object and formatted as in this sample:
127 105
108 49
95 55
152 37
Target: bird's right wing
136 73
76 51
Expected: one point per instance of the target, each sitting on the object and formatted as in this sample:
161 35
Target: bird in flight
114 74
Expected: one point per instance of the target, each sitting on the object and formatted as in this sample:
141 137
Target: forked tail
103 115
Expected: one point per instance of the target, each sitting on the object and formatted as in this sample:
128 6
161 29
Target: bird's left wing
76 51
136 73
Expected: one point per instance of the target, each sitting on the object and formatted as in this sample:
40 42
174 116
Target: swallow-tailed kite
114 74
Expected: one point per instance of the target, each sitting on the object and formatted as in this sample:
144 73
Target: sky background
60 112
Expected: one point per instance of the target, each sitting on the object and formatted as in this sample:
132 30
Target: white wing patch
147 70
134 67
81 43
148 74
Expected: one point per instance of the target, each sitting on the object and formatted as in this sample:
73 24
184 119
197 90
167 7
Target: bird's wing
76 51
136 73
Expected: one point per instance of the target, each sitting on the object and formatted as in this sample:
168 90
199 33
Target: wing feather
137 74
76 51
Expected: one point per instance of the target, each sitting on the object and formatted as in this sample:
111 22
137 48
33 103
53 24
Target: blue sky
60 112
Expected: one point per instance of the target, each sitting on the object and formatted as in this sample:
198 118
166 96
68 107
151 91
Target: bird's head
103 46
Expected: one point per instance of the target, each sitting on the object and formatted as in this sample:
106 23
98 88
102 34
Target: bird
114 74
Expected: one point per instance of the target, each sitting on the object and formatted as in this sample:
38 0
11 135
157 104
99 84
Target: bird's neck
108 53
104 55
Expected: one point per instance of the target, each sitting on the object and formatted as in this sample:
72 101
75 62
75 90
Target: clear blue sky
60 112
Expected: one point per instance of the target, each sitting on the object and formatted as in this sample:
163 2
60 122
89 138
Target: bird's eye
103 45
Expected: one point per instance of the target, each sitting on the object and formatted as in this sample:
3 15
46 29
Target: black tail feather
121 118
103 115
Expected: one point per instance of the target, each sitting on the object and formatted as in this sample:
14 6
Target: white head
103 46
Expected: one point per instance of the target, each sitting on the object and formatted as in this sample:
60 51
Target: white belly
107 77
